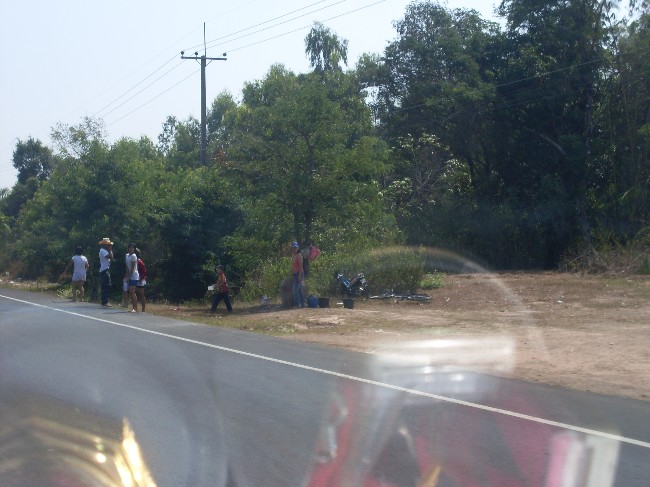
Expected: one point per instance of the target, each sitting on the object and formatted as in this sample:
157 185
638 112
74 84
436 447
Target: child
79 263
221 288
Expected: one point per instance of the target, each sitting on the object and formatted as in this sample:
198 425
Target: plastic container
323 302
312 301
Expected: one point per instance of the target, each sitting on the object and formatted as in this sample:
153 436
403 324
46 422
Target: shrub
434 280
400 269
645 266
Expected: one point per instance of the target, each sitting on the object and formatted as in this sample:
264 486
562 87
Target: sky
119 61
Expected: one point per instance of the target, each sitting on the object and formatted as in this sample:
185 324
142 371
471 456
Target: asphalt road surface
86 390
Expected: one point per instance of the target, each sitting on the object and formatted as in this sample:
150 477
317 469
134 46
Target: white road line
450 400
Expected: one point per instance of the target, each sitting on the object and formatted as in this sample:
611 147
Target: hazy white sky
120 60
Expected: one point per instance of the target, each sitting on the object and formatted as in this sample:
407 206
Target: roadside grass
279 321
253 317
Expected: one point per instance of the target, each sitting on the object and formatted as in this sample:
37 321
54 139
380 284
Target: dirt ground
584 332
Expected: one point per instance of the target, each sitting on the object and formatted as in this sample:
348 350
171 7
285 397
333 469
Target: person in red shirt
298 273
221 288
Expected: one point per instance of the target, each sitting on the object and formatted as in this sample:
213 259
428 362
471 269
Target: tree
434 96
325 49
549 93
627 115
180 142
166 137
436 79
32 160
100 193
217 129
303 164
5 230
34 163
76 140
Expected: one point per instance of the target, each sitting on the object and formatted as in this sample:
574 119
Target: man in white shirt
105 257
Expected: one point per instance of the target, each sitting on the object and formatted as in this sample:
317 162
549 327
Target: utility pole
204 59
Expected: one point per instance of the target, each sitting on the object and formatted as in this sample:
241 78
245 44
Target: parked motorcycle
357 286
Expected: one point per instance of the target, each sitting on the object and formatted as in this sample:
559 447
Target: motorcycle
351 288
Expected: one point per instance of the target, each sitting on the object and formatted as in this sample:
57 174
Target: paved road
213 407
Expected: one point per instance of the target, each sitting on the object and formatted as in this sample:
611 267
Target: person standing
305 251
125 286
105 257
132 275
142 271
221 288
79 264
297 271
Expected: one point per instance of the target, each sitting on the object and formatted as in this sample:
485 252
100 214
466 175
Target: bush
266 280
432 281
645 266
401 269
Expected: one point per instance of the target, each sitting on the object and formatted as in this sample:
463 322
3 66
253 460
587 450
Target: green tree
627 114
437 79
187 223
179 142
325 49
34 163
32 160
217 127
100 193
76 140
303 165
550 92
434 94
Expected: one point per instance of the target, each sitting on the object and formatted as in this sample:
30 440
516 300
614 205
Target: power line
212 42
297 29
143 89
8 166
152 99
239 48
136 85
189 49
98 113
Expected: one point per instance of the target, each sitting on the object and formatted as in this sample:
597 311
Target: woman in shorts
131 274
79 263
142 271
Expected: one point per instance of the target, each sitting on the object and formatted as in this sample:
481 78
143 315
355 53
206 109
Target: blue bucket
312 301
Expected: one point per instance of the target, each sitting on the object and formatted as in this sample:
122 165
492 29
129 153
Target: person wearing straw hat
105 257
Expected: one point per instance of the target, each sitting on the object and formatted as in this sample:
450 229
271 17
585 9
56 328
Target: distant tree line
513 145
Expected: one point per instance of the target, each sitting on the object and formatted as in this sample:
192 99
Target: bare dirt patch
583 332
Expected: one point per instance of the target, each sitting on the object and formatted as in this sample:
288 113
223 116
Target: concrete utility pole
204 59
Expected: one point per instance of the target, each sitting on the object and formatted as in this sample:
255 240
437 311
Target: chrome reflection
43 442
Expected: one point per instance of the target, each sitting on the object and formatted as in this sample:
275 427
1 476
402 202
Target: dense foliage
514 145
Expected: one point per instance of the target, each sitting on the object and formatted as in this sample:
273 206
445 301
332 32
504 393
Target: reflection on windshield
45 443
243 411
410 432
429 416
